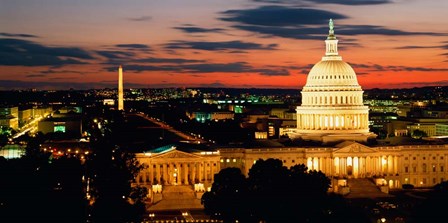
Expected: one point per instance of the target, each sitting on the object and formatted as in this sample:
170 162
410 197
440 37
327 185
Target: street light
152 215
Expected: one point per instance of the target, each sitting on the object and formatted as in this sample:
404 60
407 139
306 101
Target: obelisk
120 88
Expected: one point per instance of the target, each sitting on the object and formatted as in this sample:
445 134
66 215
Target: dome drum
343 110
332 98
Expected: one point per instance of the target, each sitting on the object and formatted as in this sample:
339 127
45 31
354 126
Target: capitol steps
177 198
364 188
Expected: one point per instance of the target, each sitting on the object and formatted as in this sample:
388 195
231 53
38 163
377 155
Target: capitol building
332 105
332 113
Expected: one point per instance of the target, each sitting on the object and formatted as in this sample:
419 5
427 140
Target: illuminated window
271 131
59 128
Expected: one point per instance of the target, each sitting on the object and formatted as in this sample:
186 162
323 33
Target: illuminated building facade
419 165
332 110
172 165
332 106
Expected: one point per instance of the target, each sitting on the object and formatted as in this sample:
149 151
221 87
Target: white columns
151 173
158 175
185 167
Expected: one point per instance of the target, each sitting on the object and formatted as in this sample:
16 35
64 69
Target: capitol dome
332 106
331 73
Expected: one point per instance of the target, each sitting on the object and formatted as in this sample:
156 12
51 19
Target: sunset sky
61 44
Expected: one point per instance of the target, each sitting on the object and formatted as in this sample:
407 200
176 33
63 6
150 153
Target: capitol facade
332 112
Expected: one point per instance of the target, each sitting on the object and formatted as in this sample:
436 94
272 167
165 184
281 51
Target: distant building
70 125
9 117
13 111
12 151
435 114
68 110
25 116
41 111
442 129
109 102
9 121
202 116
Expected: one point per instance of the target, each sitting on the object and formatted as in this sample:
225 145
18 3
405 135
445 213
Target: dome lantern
331 44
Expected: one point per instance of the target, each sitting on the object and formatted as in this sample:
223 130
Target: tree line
275 193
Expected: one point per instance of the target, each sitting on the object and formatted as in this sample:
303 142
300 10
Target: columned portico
178 168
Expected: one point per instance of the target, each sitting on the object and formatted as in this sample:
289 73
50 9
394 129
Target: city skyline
260 43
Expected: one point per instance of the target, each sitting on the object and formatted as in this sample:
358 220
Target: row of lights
182 221
68 151
228 160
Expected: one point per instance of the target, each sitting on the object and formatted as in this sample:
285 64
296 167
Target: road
30 127
171 129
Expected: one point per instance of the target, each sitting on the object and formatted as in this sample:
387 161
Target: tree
112 171
227 198
37 190
271 193
418 134
3 139
268 189
433 209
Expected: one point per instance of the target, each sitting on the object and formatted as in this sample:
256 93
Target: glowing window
59 128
